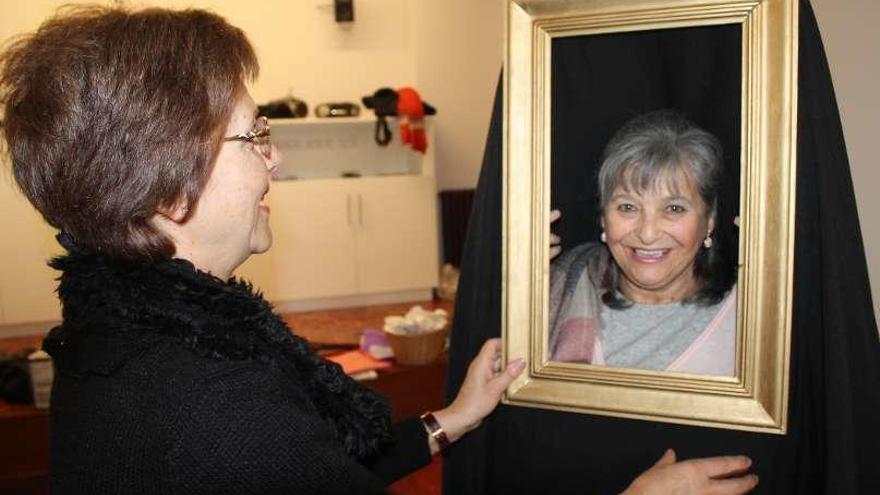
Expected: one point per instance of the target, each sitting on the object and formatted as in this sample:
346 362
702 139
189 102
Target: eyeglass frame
261 130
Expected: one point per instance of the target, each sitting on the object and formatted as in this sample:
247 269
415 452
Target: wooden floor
425 481
326 328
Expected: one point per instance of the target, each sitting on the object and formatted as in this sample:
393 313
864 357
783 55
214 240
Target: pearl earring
603 237
707 242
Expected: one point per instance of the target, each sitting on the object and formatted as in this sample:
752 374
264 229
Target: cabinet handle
348 209
360 210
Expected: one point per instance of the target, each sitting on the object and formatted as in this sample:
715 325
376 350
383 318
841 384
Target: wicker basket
416 349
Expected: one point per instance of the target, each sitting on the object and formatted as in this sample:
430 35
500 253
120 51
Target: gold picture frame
756 398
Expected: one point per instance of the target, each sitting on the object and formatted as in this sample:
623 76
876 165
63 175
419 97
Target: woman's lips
649 255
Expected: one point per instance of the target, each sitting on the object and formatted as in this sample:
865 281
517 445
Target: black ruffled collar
115 308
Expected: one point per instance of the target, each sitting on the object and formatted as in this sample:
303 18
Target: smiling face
654 236
231 219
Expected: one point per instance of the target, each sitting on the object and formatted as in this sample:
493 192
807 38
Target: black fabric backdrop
833 443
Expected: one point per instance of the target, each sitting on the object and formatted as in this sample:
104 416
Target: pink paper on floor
357 361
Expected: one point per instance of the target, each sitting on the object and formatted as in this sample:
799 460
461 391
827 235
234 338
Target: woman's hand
709 475
479 394
554 239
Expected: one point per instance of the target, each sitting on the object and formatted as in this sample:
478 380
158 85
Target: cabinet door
313 248
397 235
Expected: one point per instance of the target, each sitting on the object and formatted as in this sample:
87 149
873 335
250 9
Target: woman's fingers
724 475
496 365
667 459
499 383
555 249
722 466
489 358
485 359
480 391
732 486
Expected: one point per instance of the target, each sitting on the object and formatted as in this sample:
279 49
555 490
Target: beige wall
302 50
849 31
459 53
451 50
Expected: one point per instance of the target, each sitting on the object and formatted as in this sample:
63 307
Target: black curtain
833 443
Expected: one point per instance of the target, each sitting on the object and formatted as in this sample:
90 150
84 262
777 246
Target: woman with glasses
133 134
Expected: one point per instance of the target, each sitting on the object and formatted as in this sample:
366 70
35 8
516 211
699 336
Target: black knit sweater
169 380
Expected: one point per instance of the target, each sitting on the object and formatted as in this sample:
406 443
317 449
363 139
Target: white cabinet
396 233
313 240
349 241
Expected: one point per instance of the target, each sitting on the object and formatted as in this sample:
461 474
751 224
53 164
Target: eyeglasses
258 136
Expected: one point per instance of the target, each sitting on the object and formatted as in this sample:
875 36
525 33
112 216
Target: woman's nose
273 161
648 230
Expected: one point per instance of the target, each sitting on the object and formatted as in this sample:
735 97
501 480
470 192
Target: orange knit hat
412 119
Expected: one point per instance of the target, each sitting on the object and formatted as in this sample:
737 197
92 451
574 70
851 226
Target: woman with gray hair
653 294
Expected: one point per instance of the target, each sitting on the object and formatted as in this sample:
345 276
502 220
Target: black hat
384 103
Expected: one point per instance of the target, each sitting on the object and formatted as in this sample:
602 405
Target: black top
169 380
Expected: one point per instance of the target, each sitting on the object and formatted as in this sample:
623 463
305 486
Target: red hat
412 119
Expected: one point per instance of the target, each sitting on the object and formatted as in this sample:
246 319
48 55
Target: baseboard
353 301
27 329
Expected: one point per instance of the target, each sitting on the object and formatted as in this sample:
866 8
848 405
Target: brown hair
112 114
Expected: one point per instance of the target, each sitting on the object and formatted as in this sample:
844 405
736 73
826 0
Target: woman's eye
676 209
626 207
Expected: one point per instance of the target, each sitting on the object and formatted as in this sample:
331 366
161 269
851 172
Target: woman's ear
177 212
710 227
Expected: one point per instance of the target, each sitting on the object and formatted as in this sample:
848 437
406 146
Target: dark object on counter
344 109
15 381
285 108
344 10
384 103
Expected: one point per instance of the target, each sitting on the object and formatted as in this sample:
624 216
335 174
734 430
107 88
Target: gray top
651 336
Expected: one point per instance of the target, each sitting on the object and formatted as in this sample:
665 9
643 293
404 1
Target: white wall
301 50
451 51
459 53
849 31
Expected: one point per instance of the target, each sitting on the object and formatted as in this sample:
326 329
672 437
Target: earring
707 242
603 237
